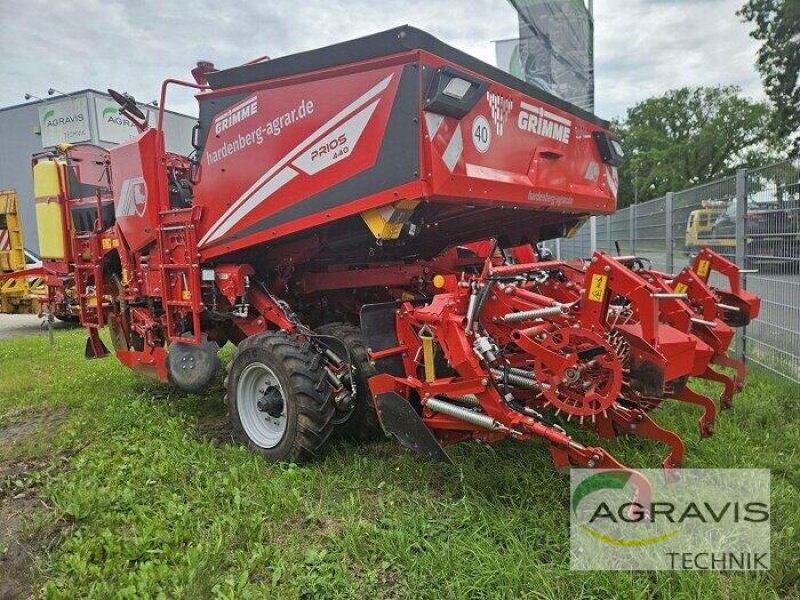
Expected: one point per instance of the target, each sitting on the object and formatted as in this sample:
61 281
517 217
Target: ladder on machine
180 274
89 286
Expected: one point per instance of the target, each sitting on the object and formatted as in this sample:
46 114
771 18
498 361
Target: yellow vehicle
19 293
700 225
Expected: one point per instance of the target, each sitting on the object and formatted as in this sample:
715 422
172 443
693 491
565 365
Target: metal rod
660 296
703 322
729 308
473 302
334 358
669 231
740 252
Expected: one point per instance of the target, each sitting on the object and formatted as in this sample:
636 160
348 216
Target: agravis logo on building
50 120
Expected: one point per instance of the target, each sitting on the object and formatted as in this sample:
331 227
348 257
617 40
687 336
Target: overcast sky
642 47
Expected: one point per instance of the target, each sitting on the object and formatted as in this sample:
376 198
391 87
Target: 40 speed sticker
481 134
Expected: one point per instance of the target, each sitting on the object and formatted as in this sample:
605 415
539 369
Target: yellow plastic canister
49 211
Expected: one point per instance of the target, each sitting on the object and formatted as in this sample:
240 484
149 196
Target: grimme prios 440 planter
361 221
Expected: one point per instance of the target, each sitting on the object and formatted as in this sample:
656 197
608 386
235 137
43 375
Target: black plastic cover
439 102
608 150
386 43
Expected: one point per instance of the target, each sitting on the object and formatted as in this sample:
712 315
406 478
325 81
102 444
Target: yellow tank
12 256
49 210
21 294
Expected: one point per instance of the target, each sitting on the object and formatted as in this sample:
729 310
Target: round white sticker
481 134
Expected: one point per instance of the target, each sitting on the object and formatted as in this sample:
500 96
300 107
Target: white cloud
642 47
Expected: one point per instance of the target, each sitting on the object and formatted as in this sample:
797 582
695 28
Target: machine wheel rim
264 430
343 416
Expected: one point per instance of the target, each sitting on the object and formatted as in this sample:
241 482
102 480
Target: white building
86 116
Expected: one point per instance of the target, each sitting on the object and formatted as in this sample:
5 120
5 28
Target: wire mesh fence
649 240
772 246
696 213
603 234
622 231
752 218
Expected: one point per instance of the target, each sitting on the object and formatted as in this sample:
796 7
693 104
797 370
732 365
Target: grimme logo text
536 119
237 114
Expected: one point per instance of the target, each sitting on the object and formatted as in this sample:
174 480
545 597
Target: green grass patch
156 508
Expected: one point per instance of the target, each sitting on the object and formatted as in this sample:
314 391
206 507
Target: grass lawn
123 487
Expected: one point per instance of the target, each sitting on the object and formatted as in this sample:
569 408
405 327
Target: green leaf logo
110 110
611 480
48 114
607 480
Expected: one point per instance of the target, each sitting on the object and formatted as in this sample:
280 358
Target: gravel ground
14 325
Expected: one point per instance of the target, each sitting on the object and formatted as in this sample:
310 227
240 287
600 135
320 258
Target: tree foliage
777 27
688 136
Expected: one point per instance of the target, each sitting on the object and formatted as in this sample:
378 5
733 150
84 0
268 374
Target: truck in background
700 225
22 282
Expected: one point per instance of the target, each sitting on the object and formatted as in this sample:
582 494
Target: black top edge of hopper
385 43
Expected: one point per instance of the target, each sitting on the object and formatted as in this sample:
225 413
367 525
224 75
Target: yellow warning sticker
597 288
680 288
702 268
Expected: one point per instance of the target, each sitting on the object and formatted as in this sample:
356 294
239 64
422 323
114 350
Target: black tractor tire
297 370
361 423
191 368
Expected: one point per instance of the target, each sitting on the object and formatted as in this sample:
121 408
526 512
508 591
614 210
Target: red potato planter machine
361 221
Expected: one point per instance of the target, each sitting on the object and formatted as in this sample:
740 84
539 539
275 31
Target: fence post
632 227
593 235
741 250
670 242
558 248
608 234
